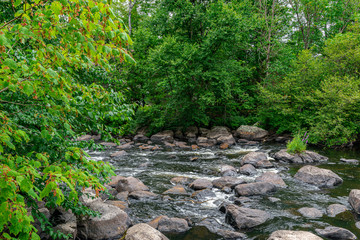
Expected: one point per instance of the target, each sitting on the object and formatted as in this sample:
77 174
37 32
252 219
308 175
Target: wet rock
114 180
205 142
264 164
354 200
140 138
120 204
163 136
203 194
336 233
131 184
119 154
180 180
243 201
253 158
191 132
203 132
229 140
257 188
182 145
213 226
251 132
113 222
67 228
248 169
227 170
240 217
176 190
126 146
310 212
335 209
305 157
318 176
218 131
140 195
274 199
357 224
171 145
226 190
123 196
271 177
193 159
227 181
350 161
169 225
200 184
108 144
293 235
144 231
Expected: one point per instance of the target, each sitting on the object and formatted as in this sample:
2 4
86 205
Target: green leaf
91 47
52 73
10 63
28 88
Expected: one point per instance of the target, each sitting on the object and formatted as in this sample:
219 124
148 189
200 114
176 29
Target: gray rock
257 188
67 228
351 161
176 190
84 138
271 177
251 132
306 157
357 224
180 180
119 154
163 136
169 225
240 217
108 144
274 199
243 201
227 170
230 140
253 158
318 176
203 194
123 196
335 209
213 226
204 132
113 222
126 146
114 180
120 204
140 138
139 195
248 169
310 212
200 184
354 200
264 164
191 132
336 233
144 231
218 131
131 184
227 182
293 235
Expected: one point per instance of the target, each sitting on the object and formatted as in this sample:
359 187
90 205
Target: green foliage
296 145
45 50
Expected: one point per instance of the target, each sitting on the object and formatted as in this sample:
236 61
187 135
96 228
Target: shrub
298 144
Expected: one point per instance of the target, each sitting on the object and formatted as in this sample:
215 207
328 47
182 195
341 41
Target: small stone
193 159
264 164
126 146
248 169
227 181
140 195
131 184
251 132
336 233
243 218
224 146
169 225
227 170
350 161
194 147
144 231
271 177
274 199
253 158
310 212
335 209
176 190
257 188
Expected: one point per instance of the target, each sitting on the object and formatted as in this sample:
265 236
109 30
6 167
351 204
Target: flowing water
164 164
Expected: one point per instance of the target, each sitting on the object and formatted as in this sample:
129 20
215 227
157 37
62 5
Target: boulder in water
293 235
240 217
131 184
310 212
354 200
253 158
271 177
203 194
256 188
318 176
176 190
336 233
200 184
248 169
140 195
169 225
213 226
335 209
144 231
251 132
218 131
305 157
227 182
163 136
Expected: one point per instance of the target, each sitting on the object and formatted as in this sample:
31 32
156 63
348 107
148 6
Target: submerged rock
305 157
203 194
176 190
310 212
240 217
113 222
354 200
251 132
318 176
253 158
257 188
335 209
144 231
336 233
271 177
169 225
293 235
200 184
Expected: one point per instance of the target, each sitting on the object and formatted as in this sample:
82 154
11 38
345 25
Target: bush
297 145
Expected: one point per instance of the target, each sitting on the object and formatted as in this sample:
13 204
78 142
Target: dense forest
71 67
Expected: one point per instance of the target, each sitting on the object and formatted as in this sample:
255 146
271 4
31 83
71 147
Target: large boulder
163 136
293 235
200 184
112 222
354 200
271 177
253 158
318 176
218 131
169 225
251 132
130 184
335 209
227 181
256 188
336 233
143 231
305 157
240 217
